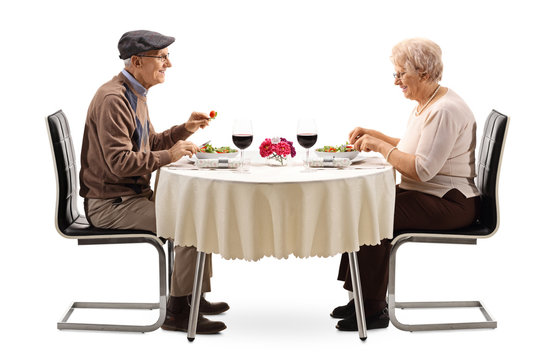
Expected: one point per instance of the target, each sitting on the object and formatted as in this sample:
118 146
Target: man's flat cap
139 41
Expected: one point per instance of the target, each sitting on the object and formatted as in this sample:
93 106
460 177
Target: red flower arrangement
277 148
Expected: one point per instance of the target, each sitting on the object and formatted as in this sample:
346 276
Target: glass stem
241 159
307 157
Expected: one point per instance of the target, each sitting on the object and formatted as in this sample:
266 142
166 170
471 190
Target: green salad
341 148
208 148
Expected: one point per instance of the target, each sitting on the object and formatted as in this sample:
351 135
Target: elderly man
120 151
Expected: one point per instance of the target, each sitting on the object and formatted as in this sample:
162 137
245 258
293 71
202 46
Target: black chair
489 163
73 225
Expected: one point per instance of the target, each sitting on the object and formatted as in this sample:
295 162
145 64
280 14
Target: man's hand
182 148
197 120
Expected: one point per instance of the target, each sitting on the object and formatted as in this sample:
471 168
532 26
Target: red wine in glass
242 141
242 137
307 140
306 133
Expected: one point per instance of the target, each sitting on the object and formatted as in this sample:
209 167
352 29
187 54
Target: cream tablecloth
276 211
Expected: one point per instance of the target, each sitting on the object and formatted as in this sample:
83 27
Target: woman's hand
372 140
368 143
197 120
356 134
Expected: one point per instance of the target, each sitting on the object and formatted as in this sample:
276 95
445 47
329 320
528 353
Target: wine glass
306 133
242 137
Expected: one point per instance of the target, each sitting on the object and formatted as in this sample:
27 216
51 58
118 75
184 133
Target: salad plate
341 151
211 152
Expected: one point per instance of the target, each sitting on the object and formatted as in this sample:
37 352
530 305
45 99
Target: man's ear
136 61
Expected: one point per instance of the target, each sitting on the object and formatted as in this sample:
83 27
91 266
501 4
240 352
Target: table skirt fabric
243 220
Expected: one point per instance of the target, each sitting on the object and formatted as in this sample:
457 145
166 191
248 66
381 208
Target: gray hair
420 55
127 62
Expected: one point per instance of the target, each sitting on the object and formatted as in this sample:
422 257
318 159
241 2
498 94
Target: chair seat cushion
476 229
81 228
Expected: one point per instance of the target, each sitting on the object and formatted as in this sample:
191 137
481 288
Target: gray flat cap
136 42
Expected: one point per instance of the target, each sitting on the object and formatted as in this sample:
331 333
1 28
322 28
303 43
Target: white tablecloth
276 211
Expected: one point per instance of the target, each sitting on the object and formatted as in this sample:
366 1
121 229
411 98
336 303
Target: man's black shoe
177 318
179 322
210 308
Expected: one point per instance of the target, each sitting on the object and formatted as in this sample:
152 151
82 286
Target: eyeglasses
163 58
399 76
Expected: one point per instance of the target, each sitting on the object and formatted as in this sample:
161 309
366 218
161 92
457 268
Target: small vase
276 160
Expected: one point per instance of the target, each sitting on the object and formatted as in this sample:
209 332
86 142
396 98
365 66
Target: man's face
152 66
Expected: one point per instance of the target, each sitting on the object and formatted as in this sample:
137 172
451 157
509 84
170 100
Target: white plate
203 155
349 154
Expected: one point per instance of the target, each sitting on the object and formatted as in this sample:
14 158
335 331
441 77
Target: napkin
327 162
218 163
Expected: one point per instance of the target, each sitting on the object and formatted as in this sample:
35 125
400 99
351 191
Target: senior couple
435 157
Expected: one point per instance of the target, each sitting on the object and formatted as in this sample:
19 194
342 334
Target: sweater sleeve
437 139
114 125
166 139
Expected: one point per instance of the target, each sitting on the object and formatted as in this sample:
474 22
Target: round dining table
276 211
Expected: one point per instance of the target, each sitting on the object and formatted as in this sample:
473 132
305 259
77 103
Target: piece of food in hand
208 148
213 114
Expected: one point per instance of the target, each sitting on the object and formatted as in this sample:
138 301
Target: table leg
357 293
196 296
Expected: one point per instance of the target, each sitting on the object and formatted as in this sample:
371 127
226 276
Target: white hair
420 55
127 62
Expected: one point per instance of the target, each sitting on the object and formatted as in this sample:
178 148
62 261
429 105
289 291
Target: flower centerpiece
277 149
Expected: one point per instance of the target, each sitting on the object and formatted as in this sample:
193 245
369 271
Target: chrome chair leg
489 323
170 260
196 296
64 324
357 295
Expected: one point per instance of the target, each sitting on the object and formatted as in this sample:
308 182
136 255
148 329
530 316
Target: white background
272 62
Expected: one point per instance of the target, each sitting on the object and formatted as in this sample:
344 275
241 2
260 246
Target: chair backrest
489 163
66 170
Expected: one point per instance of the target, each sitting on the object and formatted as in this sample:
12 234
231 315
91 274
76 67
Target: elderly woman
435 158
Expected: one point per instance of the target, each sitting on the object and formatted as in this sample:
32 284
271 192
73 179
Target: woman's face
409 82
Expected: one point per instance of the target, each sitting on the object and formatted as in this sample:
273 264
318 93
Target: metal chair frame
442 238
88 235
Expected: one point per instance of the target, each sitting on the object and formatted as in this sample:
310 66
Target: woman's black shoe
378 321
342 312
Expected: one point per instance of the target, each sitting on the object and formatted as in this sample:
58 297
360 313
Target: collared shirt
136 85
